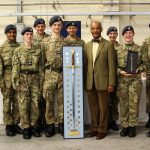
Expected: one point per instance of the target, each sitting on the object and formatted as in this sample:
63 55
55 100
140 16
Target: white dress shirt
94 50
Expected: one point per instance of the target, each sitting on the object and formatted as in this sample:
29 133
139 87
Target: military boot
50 130
132 132
109 125
114 125
27 133
10 131
124 132
61 128
36 132
148 134
148 122
18 130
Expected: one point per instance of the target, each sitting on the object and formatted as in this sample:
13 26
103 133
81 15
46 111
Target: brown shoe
100 136
93 133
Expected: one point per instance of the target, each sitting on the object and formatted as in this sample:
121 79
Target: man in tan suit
100 77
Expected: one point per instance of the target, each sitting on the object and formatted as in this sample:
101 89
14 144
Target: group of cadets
129 86
31 79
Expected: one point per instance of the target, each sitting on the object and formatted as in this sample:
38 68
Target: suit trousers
98 104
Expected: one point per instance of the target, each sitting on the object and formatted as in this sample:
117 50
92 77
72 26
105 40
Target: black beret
127 28
54 19
10 27
110 29
71 23
38 21
26 29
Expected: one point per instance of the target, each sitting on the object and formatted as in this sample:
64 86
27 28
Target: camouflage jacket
116 44
37 40
122 52
52 52
6 54
146 53
26 60
76 42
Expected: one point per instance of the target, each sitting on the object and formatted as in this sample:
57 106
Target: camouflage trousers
10 103
129 93
42 108
148 93
53 95
28 99
113 106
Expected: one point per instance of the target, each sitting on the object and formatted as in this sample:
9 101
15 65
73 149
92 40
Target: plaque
73 87
132 62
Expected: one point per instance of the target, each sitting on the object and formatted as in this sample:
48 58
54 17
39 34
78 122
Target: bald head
97 23
96 29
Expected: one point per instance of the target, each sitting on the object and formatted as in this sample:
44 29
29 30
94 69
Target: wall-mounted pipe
75 3
107 13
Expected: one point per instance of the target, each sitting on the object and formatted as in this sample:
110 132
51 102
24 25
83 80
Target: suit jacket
104 71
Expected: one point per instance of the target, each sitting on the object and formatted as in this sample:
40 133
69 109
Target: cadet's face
56 27
72 30
128 36
96 29
113 36
40 28
28 36
11 35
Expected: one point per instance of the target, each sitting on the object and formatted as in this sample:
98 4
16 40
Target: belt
30 72
54 69
7 67
138 75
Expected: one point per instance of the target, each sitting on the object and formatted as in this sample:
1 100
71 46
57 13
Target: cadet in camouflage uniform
40 34
129 85
146 48
26 76
53 81
112 33
11 114
72 39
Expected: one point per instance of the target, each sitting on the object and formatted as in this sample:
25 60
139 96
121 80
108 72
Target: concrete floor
112 142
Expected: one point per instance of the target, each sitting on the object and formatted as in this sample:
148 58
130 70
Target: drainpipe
19 10
20 25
